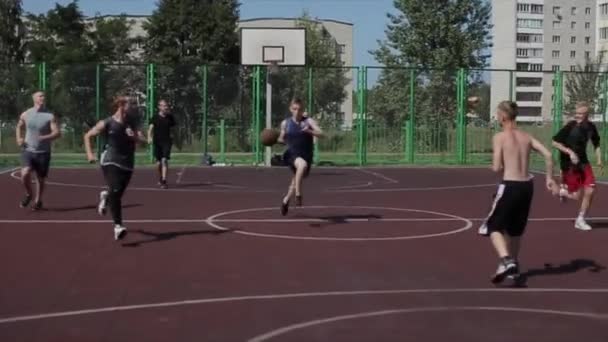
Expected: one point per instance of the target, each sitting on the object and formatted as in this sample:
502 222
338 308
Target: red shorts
577 179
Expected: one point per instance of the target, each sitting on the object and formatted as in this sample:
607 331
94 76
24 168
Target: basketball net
273 68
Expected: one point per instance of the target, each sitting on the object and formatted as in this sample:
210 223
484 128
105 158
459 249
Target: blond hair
509 108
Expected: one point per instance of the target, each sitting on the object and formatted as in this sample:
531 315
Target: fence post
42 76
98 105
311 110
411 122
557 107
223 141
604 143
359 117
460 117
205 114
150 101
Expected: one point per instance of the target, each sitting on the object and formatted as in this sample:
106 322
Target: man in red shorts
577 173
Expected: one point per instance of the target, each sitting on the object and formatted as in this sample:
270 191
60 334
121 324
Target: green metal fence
371 115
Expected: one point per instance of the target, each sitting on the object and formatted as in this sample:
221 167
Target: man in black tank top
159 134
117 160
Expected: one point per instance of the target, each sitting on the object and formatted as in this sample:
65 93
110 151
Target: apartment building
536 38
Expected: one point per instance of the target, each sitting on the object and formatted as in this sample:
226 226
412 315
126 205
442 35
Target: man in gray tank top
41 128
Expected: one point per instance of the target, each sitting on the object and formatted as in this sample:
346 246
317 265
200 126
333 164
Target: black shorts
290 158
38 162
162 151
510 209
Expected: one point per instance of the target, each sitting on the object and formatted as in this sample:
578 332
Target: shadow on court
573 266
160 237
598 224
87 207
341 219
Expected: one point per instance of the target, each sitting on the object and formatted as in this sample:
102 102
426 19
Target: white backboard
262 46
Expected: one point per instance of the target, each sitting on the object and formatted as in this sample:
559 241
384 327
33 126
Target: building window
522 52
555 54
573 68
587 26
529 38
523 8
573 11
587 40
557 39
573 54
536 53
529 111
529 82
557 24
536 67
521 96
573 25
588 10
529 23
557 10
536 9
555 68
573 40
602 54
522 66
604 9
587 54
604 33
342 48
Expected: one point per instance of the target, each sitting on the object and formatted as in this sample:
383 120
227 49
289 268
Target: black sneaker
299 200
507 267
25 201
163 185
37 206
284 208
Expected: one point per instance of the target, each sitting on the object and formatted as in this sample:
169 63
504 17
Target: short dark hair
509 108
119 101
296 100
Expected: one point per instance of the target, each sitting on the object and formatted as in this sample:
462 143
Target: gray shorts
38 162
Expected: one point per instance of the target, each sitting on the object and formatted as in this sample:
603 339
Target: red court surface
376 254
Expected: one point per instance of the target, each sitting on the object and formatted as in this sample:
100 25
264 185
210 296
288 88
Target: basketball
269 137
473 102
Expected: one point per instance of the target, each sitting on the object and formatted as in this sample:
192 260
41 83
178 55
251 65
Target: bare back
515 147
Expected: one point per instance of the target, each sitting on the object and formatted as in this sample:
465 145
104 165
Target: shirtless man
509 215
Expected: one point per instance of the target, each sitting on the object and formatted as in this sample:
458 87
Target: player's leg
301 166
117 179
42 164
166 156
26 178
287 198
159 166
588 189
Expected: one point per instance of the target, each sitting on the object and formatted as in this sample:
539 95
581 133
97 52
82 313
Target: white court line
377 174
303 325
181 174
188 302
11 170
346 187
455 187
294 220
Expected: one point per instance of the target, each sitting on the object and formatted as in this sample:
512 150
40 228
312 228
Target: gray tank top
37 123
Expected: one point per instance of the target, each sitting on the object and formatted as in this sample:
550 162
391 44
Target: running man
159 133
41 128
509 214
117 160
298 133
577 173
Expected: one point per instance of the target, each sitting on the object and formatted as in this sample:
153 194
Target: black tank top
299 142
119 147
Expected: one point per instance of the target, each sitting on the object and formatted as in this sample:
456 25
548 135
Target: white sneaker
581 224
119 232
103 201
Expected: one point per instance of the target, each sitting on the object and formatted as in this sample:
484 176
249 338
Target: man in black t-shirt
159 134
577 173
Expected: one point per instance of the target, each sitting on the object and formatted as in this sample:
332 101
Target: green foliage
584 85
436 37
329 78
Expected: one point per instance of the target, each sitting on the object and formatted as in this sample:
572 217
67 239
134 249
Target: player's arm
93 132
559 142
315 130
540 148
18 133
595 140
150 131
281 138
55 131
497 159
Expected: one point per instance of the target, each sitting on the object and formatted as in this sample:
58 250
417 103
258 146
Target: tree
183 35
436 37
586 85
111 41
13 76
329 77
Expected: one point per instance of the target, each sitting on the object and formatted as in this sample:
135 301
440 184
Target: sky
368 16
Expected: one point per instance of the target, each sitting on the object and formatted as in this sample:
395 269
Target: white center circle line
213 221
